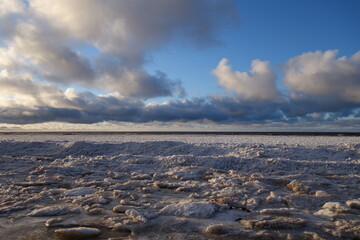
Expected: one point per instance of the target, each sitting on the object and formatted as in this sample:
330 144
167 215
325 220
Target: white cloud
45 36
8 58
11 7
258 84
321 74
21 90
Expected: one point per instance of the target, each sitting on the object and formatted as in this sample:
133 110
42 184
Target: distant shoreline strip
186 133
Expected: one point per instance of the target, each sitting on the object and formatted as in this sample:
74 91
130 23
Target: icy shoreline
180 187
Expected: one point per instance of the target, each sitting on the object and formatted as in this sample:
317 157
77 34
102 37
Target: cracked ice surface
180 186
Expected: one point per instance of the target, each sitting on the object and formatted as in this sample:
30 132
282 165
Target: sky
167 65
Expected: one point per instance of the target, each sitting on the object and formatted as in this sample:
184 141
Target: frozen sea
185 186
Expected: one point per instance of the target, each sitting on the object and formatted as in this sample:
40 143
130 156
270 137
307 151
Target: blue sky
180 64
274 30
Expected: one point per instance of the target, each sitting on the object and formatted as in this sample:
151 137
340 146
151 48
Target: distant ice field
196 139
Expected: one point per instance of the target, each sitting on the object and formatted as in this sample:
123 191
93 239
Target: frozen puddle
180 188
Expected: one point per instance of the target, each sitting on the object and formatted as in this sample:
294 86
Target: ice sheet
154 186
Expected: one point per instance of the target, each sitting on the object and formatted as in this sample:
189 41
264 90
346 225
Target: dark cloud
302 105
185 110
137 82
89 108
93 109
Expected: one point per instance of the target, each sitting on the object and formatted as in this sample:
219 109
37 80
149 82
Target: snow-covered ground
179 187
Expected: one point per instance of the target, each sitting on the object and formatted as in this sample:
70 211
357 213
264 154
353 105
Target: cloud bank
51 49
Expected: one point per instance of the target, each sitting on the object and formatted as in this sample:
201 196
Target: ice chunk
274 198
355 203
121 228
278 211
77 233
321 193
96 211
191 209
51 222
345 229
121 208
81 191
325 213
52 211
218 229
331 209
297 187
136 215
336 207
166 185
276 223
